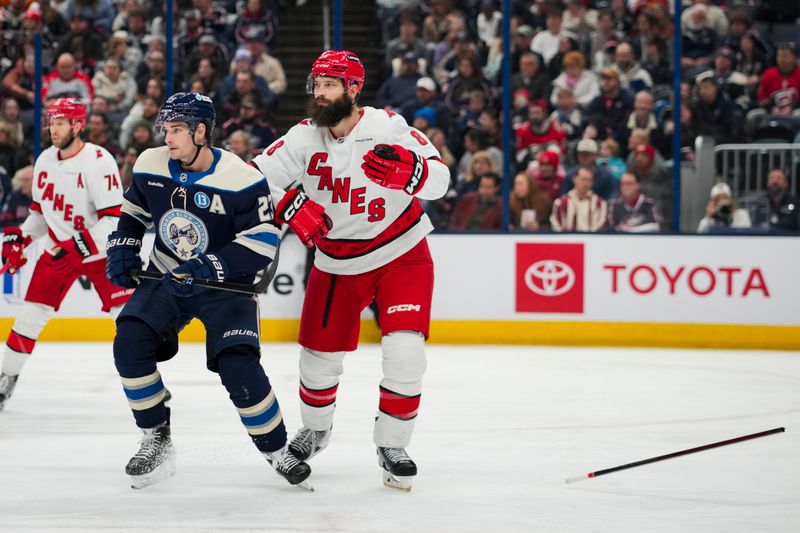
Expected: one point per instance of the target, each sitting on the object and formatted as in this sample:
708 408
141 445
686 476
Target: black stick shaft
678 454
211 284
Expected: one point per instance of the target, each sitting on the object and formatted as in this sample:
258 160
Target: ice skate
7 384
398 468
155 460
308 443
290 467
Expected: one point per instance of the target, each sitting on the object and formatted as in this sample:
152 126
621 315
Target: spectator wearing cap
267 66
603 184
699 40
732 83
426 95
424 118
779 90
192 31
207 47
716 17
784 208
580 209
722 213
582 83
547 175
633 212
101 12
531 78
407 41
398 90
522 40
250 120
656 180
443 19
546 42
117 86
257 18
479 210
465 79
530 206
609 110
67 81
632 76
538 133
716 114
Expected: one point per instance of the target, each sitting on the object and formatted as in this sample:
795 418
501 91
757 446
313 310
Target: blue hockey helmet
192 108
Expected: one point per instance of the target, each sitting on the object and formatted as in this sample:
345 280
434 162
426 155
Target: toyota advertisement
618 278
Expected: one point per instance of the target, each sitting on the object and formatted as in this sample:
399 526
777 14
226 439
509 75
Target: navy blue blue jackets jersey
226 210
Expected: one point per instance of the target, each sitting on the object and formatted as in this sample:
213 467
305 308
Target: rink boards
615 290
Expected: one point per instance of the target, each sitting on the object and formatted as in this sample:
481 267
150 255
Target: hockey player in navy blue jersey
213 220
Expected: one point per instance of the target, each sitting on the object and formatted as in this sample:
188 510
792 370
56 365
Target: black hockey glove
122 257
179 280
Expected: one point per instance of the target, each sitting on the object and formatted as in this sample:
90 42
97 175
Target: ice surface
499 430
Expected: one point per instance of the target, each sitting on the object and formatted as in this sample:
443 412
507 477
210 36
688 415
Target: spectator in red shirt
779 90
538 133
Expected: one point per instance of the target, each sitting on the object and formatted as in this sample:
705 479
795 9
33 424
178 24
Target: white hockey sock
13 361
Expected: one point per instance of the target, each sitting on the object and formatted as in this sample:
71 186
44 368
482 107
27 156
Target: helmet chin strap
196 153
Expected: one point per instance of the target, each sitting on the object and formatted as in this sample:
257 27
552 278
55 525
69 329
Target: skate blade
397 482
164 471
306 485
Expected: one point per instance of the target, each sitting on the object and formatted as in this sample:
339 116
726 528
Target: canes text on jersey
341 191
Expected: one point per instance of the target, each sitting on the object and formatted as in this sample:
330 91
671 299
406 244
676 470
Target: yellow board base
490 332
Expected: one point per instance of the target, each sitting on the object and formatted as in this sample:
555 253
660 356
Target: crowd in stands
111 55
590 90
591 101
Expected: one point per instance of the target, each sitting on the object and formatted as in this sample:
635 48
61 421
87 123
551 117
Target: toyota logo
549 277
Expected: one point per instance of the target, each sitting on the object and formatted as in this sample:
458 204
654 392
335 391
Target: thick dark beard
68 142
331 114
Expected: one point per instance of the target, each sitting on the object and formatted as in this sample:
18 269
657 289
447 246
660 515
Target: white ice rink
499 430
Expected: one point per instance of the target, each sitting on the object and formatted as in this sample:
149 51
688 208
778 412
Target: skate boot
290 467
155 460
7 384
398 468
308 443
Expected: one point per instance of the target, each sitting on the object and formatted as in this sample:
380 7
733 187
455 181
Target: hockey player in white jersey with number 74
362 171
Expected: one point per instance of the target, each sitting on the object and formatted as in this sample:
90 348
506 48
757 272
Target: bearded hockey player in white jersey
363 169
213 219
77 195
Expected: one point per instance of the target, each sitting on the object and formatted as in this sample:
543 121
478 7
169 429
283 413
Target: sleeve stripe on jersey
36 207
262 239
137 212
113 211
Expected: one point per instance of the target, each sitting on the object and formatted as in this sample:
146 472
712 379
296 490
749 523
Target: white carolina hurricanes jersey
81 194
372 225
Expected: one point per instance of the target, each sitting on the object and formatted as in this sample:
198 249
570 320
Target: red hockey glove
13 245
69 254
394 167
305 216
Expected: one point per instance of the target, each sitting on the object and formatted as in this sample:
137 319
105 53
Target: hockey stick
211 284
675 454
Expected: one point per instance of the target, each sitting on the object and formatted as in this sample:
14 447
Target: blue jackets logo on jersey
201 200
183 233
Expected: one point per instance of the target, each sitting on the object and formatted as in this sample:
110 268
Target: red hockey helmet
341 64
69 108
